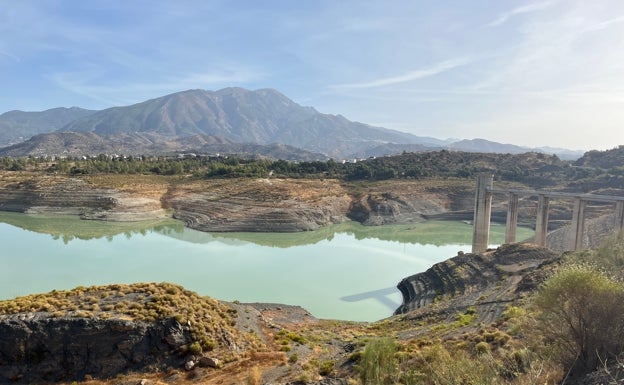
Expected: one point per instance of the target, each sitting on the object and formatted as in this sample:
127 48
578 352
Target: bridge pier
577 228
619 217
482 214
512 218
541 223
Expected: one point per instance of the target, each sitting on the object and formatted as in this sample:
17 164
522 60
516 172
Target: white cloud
503 18
410 76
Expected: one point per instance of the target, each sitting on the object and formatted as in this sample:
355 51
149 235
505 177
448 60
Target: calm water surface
346 271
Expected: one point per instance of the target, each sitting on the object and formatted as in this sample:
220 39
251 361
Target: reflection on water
384 296
68 228
322 270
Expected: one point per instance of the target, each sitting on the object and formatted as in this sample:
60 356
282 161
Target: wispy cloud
605 24
504 17
87 83
409 76
212 78
10 55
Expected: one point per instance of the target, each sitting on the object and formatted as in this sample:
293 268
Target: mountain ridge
18 125
237 115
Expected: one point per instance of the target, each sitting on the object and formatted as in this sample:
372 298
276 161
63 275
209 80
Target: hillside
17 126
613 158
77 144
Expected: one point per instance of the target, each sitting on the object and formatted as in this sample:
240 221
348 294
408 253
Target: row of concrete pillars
574 238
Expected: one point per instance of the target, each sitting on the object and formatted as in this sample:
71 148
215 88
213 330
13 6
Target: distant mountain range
231 120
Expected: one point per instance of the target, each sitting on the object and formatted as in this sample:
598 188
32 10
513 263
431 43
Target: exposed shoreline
232 205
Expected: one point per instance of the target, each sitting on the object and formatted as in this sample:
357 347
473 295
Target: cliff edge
488 281
102 331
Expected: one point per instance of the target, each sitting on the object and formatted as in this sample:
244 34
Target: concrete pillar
512 218
541 223
482 212
619 217
574 239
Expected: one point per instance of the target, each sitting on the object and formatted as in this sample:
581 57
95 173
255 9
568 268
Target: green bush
482 347
581 313
195 348
326 368
378 365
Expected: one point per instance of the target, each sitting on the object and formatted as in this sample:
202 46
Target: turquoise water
347 271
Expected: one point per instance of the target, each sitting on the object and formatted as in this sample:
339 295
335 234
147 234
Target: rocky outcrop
74 196
265 206
104 331
35 347
398 203
486 280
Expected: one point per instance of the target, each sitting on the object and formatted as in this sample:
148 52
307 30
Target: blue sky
543 72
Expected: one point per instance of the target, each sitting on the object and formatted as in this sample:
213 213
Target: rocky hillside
487 281
72 196
268 205
245 204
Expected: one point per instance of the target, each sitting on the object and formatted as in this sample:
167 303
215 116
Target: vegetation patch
207 318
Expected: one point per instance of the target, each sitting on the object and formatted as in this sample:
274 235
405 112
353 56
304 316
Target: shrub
439 366
254 377
482 347
195 348
581 311
378 365
326 368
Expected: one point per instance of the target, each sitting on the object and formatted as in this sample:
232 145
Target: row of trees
533 169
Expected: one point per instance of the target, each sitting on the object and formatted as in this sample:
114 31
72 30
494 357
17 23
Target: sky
531 73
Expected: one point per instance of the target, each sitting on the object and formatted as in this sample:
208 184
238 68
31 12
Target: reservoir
346 271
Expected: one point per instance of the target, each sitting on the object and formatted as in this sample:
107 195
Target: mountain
562 153
261 117
231 120
394 149
17 126
482 145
